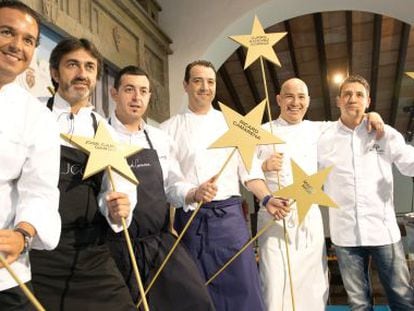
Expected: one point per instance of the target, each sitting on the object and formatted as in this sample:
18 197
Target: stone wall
125 31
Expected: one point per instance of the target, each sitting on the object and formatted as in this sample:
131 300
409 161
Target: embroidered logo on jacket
377 148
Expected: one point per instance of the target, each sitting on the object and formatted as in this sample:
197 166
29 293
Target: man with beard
29 158
81 274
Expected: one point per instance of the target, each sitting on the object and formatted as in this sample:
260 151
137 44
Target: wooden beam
271 70
248 74
402 54
349 39
320 45
376 46
273 76
291 49
231 89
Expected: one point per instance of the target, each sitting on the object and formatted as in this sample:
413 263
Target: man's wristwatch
27 239
266 200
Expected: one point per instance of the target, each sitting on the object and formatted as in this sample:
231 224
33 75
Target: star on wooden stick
306 190
104 152
410 74
259 43
245 132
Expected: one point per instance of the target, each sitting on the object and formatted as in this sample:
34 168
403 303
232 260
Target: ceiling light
338 78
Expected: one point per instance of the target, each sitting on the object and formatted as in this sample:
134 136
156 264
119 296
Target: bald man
306 241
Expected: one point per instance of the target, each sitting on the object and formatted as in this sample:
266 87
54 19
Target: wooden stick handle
135 266
285 234
261 231
267 226
225 164
23 286
130 250
181 235
269 114
286 238
179 238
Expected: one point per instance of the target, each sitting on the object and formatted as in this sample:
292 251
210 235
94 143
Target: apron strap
51 101
94 122
148 140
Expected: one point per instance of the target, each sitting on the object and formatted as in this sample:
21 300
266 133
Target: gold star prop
410 74
104 152
245 132
259 43
306 190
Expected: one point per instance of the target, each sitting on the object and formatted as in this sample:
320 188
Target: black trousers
13 299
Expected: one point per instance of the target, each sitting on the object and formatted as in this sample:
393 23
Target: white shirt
80 124
193 134
305 241
29 157
175 187
300 146
361 183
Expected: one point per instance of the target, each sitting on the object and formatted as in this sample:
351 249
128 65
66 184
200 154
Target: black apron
80 273
179 287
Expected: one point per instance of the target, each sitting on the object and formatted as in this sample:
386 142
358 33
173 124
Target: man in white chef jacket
306 241
364 227
219 230
29 156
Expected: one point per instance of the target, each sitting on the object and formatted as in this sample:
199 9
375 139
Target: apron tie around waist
210 210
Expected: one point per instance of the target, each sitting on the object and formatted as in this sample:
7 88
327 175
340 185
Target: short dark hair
204 63
130 70
20 6
72 44
355 79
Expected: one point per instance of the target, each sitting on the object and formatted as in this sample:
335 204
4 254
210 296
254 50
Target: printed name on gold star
306 190
245 132
259 43
104 152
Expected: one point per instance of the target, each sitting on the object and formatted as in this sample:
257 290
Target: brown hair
72 44
204 63
355 79
17 5
130 70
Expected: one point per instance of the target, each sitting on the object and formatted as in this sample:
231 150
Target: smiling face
293 100
76 76
200 88
131 98
18 36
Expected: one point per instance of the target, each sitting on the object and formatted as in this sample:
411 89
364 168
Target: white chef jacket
193 134
306 242
174 184
29 156
80 124
361 183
